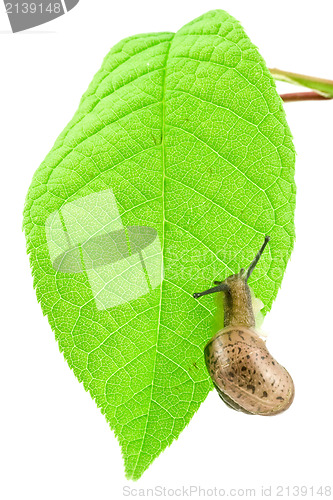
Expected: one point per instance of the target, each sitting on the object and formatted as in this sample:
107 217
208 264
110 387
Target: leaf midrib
162 254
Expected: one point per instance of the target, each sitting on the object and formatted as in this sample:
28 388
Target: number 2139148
32 8
303 491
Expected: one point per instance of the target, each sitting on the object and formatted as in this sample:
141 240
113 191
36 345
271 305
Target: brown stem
303 96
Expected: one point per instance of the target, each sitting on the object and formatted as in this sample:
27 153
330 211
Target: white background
54 442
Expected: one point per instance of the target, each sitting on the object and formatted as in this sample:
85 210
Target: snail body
245 374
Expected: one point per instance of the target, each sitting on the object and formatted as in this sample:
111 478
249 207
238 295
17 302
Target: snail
246 376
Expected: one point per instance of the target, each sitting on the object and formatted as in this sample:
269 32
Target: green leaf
177 163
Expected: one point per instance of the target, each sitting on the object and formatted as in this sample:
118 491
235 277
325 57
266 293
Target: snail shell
246 376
